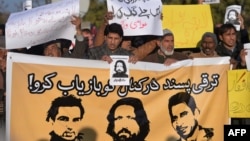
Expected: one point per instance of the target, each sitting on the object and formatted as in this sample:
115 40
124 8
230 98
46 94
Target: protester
84 39
208 45
113 39
56 48
229 45
140 46
87 35
166 54
242 35
3 61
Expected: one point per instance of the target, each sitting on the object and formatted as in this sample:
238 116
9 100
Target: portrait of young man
64 115
128 120
183 114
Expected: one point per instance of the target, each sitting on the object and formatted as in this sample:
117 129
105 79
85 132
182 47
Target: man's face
89 37
167 45
232 15
113 41
183 119
119 67
126 127
66 122
229 38
52 50
208 46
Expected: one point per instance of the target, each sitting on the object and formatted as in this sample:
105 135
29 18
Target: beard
125 135
167 53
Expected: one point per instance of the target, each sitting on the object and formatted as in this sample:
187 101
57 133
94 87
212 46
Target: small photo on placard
232 16
119 70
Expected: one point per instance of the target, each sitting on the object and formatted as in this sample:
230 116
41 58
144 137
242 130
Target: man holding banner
113 39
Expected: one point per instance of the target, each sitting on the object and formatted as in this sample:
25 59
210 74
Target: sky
12 5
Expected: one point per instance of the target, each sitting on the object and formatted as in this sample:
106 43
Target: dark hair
225 27
141 116
65 43
178 98
45 45
138 41
64 101
123 63
86 30
210 34
114 28
233 10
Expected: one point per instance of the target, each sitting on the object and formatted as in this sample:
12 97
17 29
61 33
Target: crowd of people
110 40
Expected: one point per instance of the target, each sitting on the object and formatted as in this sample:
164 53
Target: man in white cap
166 54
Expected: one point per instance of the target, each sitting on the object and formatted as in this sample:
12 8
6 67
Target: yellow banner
188 23
38 99
239 93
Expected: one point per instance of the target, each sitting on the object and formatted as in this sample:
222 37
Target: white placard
119 70
231 15
137 17
41 24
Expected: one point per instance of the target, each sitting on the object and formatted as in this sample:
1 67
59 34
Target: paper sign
137 17
41 24
231 15
188 23
238 91
119 70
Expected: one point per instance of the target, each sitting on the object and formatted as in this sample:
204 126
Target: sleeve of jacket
244 36
239 66
80 49
99 39
145 49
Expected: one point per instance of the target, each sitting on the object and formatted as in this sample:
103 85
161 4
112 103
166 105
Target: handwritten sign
239 93
188 23
41 24
141 17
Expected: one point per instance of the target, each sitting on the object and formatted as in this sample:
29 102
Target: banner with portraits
61 98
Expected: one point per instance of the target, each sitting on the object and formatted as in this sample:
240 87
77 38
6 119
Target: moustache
124 130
